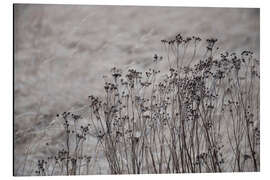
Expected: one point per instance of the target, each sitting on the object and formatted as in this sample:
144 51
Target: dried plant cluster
201 116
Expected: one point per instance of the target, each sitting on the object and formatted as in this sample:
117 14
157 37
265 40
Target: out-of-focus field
63 51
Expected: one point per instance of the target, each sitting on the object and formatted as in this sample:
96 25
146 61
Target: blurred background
62 52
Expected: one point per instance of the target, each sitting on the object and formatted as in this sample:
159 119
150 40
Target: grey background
63 51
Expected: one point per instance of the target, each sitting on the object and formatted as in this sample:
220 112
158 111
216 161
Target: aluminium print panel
135 90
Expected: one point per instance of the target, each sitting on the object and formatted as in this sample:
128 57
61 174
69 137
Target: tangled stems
201 116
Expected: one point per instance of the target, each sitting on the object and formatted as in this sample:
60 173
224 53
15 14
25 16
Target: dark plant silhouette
201 116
